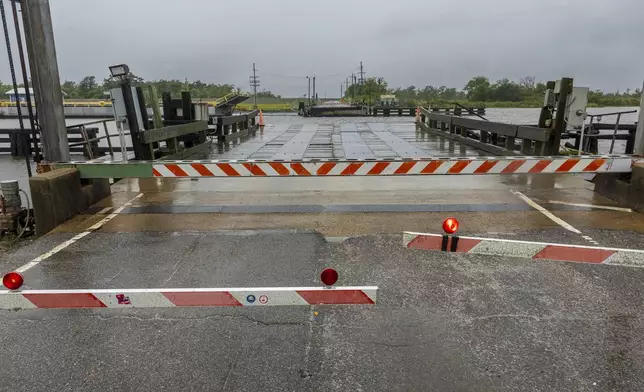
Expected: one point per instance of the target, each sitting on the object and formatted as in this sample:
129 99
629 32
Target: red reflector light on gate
13 280
329 276
450 225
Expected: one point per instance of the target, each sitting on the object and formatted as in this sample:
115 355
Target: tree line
90 87
527 92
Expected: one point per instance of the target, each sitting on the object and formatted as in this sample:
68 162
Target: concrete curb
60 194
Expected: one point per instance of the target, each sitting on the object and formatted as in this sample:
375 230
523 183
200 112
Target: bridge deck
340 139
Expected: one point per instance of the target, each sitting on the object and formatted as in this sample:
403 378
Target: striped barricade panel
201 297
401 167
527 249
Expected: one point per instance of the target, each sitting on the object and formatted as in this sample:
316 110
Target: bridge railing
592 134
493 137
232 127
83 139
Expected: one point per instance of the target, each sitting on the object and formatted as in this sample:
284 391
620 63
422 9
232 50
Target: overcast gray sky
419 42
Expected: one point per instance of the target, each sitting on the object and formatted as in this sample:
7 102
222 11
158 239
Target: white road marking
77 237
104 211
591 206
545 212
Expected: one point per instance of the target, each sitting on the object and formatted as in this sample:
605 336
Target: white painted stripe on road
545 212
599 207
77 237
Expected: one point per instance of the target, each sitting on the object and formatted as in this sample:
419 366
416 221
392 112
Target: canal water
15 168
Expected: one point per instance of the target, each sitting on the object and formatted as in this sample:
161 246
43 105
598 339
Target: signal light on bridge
450 225
13 280
329 276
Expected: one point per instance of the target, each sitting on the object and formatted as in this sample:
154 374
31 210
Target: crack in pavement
167 319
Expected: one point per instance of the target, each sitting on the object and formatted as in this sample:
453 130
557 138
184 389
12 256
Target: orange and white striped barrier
15 298
371 167
391 168
524 249
201 297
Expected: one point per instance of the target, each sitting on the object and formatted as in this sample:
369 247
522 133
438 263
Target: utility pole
41 49
362 81
341 92
309 78
254 83
639 134
314 96
353 82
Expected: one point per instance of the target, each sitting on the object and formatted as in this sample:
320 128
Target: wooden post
157 120
172 144
509 143
539 148
43 64
545 114
559 126
484 136
168 113
186 106
526 146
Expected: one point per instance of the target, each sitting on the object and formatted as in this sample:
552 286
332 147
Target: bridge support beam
39 38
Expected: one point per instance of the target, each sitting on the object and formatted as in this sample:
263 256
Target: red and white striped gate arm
429 166
196 297
527 249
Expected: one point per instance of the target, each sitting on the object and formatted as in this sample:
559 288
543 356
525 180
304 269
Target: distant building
22 95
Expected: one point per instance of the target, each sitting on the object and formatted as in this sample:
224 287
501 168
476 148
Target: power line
304 77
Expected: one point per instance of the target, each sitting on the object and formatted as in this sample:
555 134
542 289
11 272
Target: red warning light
13 280
329 276
450 225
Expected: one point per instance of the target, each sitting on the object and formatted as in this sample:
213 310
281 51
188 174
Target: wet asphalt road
445 322
442 322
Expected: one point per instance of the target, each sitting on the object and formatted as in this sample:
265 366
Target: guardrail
457 110
591 134
496 138
81 138
232 127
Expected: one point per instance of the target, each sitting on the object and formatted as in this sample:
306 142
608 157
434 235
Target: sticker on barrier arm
200 297
527 249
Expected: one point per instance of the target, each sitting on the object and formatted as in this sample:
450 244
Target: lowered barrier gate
319 168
